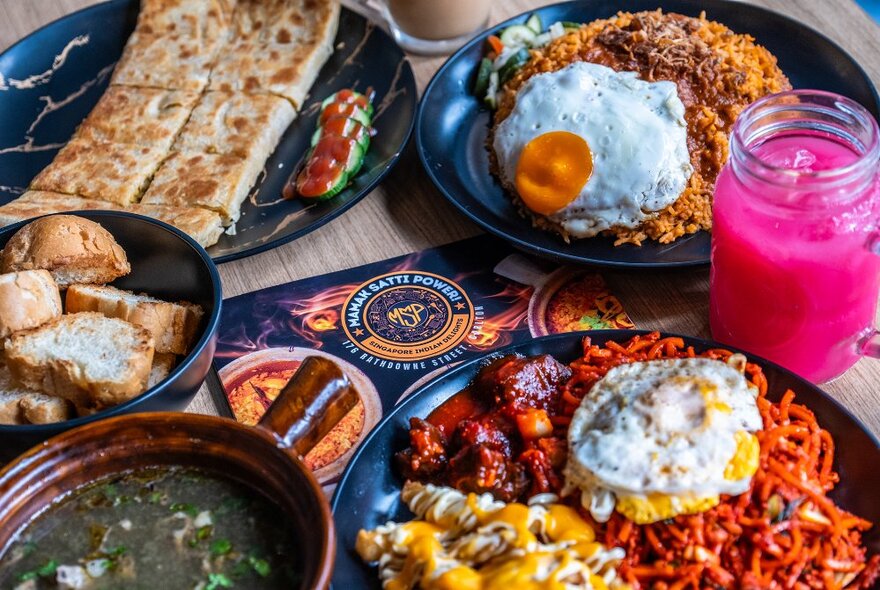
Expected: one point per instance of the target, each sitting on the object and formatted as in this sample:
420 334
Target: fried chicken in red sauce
496 436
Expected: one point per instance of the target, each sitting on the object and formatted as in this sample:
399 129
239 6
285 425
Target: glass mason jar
795 271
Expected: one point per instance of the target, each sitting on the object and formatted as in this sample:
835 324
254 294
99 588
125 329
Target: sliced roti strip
219 182
101 170
238 124
139 116
202 225
286 21
172 62
209 20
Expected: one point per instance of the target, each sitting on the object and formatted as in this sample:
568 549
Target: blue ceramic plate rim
559 254
471 366
208 334
407 79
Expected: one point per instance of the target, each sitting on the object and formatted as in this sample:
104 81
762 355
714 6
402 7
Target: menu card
394 325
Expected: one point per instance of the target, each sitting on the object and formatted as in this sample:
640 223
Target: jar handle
314 400
869 345
369 9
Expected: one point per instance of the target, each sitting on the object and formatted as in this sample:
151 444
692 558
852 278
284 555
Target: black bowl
165 263
369 492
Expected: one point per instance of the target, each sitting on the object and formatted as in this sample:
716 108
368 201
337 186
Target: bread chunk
87 358
71 248
28 299
162 366
22 406
173 326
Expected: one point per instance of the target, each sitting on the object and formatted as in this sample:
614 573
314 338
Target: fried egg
590 148
661 438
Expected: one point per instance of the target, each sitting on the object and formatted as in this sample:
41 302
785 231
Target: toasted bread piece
22 406
173 326
162 365
201 19
71 248
214 181
238 124
90 359
28 299
37 408
113 172
286 21
149 117
204 226
172 62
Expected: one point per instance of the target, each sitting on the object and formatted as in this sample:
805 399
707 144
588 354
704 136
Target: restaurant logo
408 315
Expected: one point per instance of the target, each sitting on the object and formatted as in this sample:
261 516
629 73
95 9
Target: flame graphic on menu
494 331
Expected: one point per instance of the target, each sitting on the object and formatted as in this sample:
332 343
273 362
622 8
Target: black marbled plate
369 492
50 80
452 126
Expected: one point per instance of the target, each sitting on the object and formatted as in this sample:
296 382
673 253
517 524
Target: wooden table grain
406 213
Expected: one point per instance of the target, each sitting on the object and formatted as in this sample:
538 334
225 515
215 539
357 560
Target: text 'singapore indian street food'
619 127
688 474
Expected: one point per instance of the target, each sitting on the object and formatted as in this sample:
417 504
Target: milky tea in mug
435 26
795 271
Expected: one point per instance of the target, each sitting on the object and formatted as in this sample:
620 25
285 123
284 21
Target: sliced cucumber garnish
534 23
518 36
513 65
481 85
355 98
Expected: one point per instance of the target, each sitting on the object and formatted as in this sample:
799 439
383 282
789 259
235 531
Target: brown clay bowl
266 458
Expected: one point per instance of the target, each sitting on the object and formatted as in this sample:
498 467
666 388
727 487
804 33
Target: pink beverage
795 271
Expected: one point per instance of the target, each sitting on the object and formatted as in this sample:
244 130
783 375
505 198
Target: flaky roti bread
237 124
200 19
204 226
22 406
113 172
286 21
218 182
172 62
87 358
173 326
28 299
150 117
162 365
72 249
280 47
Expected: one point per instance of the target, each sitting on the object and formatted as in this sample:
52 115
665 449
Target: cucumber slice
514 63
518 36
567 24
337 188
352 97
483 74
490 101
346 127
534 23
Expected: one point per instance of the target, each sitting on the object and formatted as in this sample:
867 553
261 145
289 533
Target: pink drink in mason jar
795 271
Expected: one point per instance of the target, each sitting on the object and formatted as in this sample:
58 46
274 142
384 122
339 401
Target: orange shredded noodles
785 532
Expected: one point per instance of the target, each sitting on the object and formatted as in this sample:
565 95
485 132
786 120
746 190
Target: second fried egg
590 148
661 438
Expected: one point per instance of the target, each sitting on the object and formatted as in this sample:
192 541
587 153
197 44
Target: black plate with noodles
51 81
721 545
641 203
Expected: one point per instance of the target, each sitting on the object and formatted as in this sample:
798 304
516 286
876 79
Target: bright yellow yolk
552 170
657 507
746 458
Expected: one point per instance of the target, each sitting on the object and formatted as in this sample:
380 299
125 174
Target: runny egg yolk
552 170
746 458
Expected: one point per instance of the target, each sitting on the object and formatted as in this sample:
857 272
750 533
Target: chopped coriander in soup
158 528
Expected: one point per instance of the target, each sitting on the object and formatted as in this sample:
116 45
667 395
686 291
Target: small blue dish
165 263
452 126
368 494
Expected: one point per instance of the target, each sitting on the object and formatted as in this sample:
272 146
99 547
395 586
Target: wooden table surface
406 213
